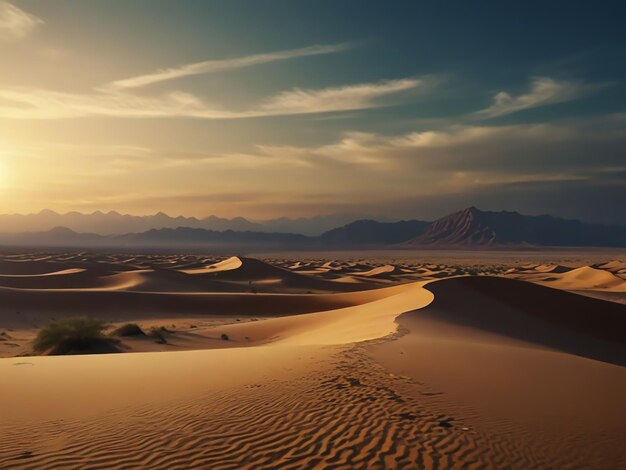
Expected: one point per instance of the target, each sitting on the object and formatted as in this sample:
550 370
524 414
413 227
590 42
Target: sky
395 109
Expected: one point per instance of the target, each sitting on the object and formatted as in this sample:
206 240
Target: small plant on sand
73 335
225 337
158 334
129 329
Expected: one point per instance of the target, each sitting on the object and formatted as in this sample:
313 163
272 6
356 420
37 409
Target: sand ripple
337 418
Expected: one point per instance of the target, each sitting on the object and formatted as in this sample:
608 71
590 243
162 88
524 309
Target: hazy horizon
335 215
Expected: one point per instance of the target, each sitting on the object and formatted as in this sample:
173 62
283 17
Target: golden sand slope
150 389
160 274
381 270
603 280
345 413
371 318
486 373
515 357
588 278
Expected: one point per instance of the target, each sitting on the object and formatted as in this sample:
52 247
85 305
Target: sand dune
520 369
75 277
250 270
232 275
165 280
289 408
374 316
114 305
427 371
27 267
127 297
226 265
148 280
542 268
376 272
61 272
612 266
533 314
586 277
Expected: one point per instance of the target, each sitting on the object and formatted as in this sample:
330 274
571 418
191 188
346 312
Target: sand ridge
557 366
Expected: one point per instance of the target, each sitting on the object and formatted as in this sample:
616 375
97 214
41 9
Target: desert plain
395 359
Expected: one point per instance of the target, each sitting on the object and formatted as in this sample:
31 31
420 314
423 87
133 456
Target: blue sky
262 109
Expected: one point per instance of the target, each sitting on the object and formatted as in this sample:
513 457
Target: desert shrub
158 334
225 337
80 334
129 329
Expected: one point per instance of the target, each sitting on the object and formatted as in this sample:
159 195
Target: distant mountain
165 237
58 236
111 223
198 236
469 228
311 226
114 223
371 232
475 228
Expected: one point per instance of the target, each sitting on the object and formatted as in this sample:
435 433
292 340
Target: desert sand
342 362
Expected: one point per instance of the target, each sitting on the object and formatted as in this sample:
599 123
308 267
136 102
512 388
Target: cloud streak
345 98
26 103
543 91
357 169
16 23
213 66
545 151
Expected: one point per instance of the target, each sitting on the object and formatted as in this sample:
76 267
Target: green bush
73 335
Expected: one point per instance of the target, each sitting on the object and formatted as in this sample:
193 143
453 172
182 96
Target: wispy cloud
356 168
16 23
534 149
212 66
345 98
26 103
543 91
119 99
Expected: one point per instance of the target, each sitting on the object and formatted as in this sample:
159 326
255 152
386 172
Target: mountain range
372 232
469 228
114 223
473 227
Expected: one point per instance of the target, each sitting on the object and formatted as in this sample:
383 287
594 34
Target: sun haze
301 109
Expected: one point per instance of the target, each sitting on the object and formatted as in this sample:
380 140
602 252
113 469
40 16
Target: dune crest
587 277
227 265
524 361
375 318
